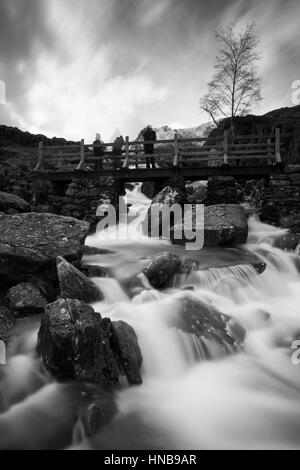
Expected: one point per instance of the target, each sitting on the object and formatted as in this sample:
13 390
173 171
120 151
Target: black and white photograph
149 227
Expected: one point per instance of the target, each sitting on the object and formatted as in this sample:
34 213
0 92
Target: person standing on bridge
117 151
149 135
98 148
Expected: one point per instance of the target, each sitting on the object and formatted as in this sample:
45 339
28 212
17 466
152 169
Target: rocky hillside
14 136
287 119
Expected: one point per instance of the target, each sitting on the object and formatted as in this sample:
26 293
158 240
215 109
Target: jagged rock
30 243
153 223
13 202
93 271
94 416
217 334
26 299
224 224
74 284
7 322
161 269
125 346
73 342
93 250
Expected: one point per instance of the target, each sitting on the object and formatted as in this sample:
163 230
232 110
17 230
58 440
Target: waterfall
231 386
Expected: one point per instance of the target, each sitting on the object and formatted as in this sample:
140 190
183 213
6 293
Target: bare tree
235 86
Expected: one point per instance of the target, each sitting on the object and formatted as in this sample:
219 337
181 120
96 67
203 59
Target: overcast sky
76 67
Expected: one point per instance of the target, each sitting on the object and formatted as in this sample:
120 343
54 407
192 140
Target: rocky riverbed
66 288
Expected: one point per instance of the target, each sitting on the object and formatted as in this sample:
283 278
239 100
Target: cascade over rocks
74 284
165 198
219 334
160 271
30 243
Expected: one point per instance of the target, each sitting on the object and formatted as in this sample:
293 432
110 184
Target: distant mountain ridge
14 136
167 133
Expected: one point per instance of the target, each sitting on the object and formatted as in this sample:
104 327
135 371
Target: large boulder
161 269
223 224
73 342
30 243
168 197
74 284
10 203
124 344
26 299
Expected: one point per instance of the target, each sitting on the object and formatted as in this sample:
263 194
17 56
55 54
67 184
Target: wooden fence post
226 134
176 152
126 152
40 163
269 150
278 153
82 155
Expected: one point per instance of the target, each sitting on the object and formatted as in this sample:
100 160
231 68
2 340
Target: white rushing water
250 399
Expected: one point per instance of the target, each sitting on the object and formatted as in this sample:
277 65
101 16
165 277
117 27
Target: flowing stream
191 397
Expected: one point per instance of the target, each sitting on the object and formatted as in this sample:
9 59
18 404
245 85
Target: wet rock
94 416
93 271
30 243
224 224
219 334
26 299
287 242
73 342
161 270
74 284
12 202
93 250
153 223
125 346
7 322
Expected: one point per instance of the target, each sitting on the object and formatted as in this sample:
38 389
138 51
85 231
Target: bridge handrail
229 147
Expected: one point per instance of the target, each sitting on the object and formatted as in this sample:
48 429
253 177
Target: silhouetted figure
98 148
149 134
117 151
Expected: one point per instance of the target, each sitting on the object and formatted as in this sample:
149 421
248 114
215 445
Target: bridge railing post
225 144
278 151
176 150
126 152
269 151
40 163
82 155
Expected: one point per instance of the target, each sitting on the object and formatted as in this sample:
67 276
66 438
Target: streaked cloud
73 68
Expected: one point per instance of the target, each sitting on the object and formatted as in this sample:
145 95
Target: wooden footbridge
243 156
